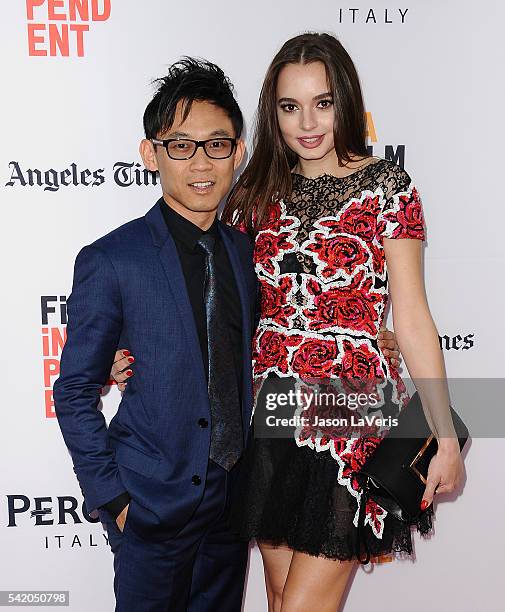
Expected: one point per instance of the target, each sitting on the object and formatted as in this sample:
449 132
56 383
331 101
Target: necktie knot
207 242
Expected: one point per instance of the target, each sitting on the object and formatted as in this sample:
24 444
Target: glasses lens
181 149
219 148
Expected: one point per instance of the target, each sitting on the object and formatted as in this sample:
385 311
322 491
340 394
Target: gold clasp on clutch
413 464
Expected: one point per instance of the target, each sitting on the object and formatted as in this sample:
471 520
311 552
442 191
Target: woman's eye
289 108
325 103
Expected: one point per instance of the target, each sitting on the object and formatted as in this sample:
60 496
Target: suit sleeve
93 331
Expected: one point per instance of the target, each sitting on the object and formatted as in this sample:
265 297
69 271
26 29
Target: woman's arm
418 341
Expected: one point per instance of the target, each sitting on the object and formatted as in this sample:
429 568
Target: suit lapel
172 266
238 272
169 259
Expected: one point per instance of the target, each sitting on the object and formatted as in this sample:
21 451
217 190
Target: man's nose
200 160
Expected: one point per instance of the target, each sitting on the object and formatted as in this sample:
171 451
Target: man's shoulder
131 233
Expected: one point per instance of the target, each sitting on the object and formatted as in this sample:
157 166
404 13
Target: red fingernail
126 353
129 372
131 359
424 504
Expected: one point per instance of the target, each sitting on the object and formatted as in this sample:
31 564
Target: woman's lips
311 142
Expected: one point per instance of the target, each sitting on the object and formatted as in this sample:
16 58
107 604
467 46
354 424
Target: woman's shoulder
389 168
390 176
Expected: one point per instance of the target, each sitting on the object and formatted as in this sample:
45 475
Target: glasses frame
198 143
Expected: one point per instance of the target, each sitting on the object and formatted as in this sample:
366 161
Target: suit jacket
130 284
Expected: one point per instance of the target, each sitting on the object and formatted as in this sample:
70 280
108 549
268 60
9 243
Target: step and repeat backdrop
77 75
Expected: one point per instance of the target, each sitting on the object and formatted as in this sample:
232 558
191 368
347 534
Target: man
179 288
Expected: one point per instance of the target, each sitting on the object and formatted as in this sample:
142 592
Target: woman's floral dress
320 262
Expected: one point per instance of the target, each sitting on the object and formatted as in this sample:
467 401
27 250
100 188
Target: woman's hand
445 470
121 368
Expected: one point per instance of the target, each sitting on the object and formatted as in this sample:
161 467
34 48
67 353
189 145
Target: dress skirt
291 495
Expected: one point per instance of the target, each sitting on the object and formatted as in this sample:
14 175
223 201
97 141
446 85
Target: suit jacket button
196 480
203 423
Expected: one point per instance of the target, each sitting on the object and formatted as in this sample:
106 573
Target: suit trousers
201 569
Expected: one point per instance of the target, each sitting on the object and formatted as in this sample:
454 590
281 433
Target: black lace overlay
313 198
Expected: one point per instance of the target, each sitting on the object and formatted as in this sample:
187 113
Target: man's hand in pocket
121 519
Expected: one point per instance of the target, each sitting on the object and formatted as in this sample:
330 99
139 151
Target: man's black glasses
184 148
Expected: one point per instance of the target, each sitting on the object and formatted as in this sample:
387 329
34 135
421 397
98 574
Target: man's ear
148 154
239 154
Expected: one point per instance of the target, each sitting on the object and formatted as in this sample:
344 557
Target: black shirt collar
182 230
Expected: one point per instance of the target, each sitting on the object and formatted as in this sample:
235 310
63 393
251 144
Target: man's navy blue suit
130 285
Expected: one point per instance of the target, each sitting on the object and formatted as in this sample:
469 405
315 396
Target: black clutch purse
394 476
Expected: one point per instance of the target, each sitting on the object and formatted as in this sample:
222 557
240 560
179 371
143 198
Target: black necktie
226 442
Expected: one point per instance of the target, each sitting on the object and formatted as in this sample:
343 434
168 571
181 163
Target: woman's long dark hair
268 173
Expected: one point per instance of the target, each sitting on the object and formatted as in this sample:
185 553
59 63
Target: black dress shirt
192 258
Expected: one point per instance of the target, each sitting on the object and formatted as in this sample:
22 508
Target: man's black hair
190 80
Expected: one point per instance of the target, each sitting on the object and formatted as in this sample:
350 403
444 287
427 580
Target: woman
337 233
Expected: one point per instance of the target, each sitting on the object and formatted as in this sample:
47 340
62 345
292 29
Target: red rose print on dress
375 516
354 457
275 301
360 362
358 218
271 351
276 219
401 389
351 307
320 435
268 247
316 358
361 370
407 219
340 252
339 445
378 259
